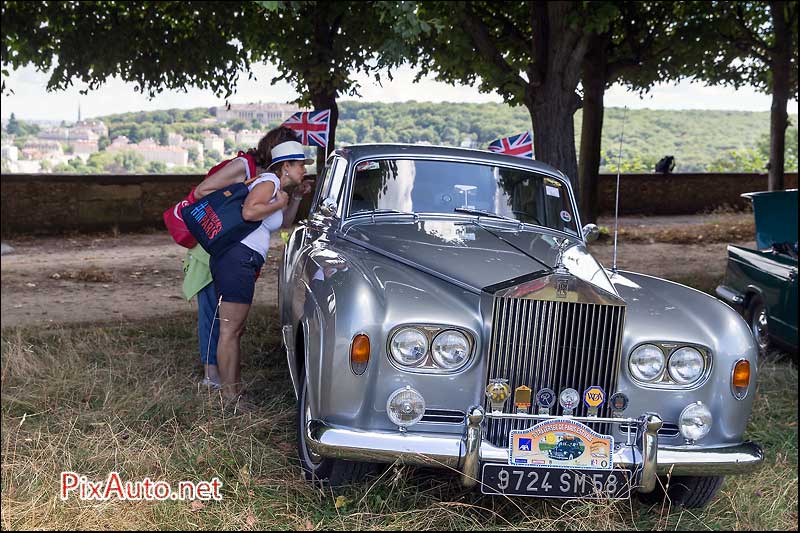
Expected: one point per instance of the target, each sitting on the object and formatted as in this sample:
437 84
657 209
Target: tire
690 492
757 320
326 471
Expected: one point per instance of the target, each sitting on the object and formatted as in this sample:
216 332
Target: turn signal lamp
359 354
740 381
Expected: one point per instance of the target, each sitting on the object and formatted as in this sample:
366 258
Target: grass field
124 398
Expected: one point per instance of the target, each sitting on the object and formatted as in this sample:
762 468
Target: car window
421 186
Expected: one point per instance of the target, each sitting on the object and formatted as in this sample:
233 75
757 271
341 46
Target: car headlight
695 421
646 362
405 407
450 349
409 346
685 365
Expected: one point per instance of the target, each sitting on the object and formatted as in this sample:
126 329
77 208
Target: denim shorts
235 273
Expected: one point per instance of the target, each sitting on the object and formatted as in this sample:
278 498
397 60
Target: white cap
289 151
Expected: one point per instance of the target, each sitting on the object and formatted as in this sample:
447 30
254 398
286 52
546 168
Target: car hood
477 255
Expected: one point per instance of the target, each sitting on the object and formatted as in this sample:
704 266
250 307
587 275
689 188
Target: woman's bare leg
232 321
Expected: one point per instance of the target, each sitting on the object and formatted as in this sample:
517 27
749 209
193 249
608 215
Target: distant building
54 134
213 142
10 152
84 147
24 166
41 149
190 145
174 139
97 126
151 151
171 155
118 142
262 112
248 137
227 133
82 133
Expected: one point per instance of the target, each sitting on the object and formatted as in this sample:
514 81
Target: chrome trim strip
691 460
729 295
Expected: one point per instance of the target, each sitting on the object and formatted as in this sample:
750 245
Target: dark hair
262 154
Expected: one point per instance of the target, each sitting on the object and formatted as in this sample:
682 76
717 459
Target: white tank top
259 240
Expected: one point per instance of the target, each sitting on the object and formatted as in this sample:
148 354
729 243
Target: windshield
418 186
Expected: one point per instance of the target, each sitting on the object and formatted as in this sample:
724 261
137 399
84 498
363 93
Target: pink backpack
172 216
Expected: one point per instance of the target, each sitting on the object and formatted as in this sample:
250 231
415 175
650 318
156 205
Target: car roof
365 151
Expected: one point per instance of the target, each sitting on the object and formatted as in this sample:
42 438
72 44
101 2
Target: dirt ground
97 278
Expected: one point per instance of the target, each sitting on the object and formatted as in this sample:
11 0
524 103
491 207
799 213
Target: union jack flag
520 145
311 127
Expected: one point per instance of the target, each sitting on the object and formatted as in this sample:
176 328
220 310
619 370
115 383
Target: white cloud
31 101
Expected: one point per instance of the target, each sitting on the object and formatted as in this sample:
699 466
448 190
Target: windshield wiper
481 212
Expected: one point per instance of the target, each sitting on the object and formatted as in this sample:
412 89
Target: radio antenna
616 208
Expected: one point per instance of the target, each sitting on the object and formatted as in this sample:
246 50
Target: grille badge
522 398
569 400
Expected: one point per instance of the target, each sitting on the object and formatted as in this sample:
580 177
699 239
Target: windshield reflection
420 186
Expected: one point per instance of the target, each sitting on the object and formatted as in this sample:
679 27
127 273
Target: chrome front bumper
465 454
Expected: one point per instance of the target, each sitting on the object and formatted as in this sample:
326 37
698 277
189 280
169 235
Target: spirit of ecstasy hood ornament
560 267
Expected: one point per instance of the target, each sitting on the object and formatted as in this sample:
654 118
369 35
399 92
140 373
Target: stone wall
678 194
51 203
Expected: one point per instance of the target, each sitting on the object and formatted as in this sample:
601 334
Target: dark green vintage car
762 283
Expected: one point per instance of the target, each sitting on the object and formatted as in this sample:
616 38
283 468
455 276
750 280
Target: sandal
208 382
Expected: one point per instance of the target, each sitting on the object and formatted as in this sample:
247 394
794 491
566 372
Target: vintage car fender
350 291
661 310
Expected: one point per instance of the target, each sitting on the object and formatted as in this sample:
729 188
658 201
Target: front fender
663 311
355 291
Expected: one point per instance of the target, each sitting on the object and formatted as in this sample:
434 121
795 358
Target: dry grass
97 399
92 274
684 234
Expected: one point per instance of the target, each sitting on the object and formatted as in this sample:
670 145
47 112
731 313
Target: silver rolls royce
440 307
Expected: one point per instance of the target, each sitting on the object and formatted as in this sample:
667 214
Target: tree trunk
326 100
594 87
554 133
559 49
781 63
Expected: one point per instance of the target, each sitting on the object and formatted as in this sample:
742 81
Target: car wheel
690 492
325 471
757 317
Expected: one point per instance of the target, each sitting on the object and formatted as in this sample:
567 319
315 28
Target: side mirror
590 232
328 207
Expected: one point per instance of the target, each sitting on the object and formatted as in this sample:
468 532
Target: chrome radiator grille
557 345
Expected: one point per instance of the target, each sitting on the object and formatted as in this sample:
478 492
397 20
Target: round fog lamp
405 407
695 421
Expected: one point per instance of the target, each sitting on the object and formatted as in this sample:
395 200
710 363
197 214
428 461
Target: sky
31 100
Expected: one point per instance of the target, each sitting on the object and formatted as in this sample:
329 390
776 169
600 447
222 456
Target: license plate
500 479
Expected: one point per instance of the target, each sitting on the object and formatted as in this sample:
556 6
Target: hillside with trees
701 141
